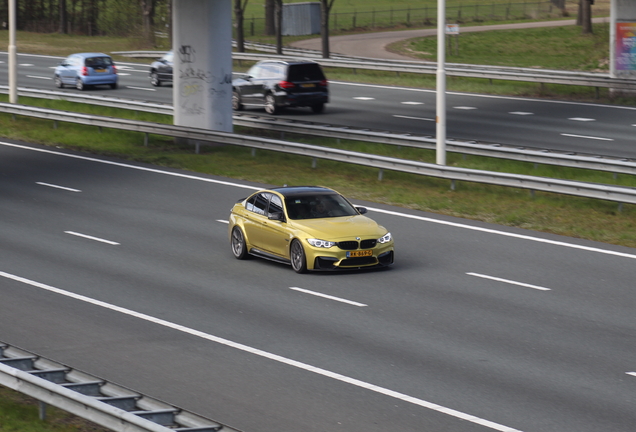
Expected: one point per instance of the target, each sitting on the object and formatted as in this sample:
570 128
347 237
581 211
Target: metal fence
426 16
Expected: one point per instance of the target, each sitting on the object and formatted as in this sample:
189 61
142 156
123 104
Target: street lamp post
440 119
13 62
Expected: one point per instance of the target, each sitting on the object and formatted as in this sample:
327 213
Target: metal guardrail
538 156
198 136
94 399
545 76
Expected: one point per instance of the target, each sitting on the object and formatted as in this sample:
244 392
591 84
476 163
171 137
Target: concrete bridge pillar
202 43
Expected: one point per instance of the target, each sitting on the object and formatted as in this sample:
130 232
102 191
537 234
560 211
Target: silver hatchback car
83 70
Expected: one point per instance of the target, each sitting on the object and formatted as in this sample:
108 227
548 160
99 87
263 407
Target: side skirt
268 256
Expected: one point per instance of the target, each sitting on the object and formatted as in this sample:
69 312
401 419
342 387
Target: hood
340 228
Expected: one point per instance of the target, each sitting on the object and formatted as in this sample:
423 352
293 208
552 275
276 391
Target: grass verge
20 413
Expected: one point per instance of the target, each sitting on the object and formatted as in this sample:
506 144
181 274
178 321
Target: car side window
258 203
275 206
255 71
269 71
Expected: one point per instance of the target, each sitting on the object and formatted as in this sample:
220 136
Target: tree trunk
63 27
239 18
586 17
279 26
148 18
325 9
270 24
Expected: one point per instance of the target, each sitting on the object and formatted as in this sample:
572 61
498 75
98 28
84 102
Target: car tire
79 84
154 79
270 104
236 102
238 245
58 82
318 108
297 257
113 86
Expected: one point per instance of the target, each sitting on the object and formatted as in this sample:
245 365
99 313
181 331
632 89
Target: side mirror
361 210
277 216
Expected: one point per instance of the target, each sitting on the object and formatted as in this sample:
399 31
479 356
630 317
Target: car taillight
286 84
324 83
84 71
114 69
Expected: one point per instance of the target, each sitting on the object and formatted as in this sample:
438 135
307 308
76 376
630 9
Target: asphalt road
521 122
124 270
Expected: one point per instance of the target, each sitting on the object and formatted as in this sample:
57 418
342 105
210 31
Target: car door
255 219
275 235
67 70
250 88
164 70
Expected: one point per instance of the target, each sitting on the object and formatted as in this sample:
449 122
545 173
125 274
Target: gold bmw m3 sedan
310 228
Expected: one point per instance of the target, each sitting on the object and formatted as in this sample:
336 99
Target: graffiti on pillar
192 83
197 86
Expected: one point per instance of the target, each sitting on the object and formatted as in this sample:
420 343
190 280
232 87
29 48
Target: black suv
276 84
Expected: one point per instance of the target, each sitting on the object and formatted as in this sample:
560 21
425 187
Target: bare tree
148 20
325 9
239 17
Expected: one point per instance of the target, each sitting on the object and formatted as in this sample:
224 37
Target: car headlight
321 243
385 238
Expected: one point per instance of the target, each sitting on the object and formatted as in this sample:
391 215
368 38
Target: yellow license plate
100 70
357 254
308 85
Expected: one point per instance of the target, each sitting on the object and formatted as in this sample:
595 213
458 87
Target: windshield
318 206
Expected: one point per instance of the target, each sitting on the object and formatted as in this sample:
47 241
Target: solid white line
588 137
39 77
58 187
124 165
389 212
141 88
509 281
268 355
328 296
505 233
413 118
91 238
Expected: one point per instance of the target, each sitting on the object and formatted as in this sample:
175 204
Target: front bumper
326 259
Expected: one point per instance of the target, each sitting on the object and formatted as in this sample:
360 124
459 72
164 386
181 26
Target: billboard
625 49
